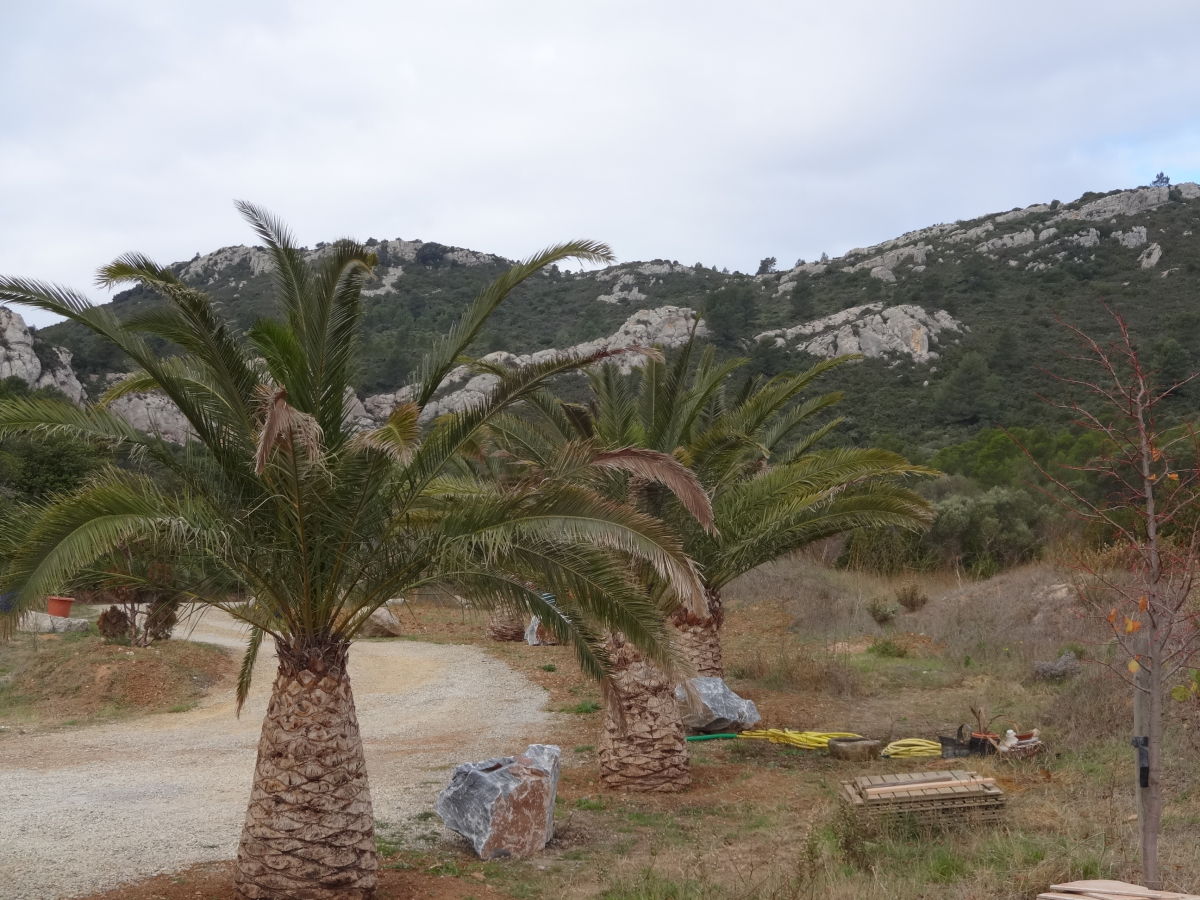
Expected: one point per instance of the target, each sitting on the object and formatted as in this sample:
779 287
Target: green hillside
1006 278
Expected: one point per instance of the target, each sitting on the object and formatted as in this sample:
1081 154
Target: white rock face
19 359
1122 203
872 330
1087 238
883 273
1189 190
152 413
1134 237
1021 213
1150 257
386 278
666 326
625 290
1046 234
971 234
1005 241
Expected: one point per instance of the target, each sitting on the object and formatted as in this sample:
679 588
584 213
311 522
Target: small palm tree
321 524
755 451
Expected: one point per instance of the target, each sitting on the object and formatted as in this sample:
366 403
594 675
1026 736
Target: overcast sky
713 132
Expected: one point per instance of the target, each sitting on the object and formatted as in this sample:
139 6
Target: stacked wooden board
1109 890
948 797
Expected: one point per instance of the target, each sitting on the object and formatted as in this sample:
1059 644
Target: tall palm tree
321 525
754 449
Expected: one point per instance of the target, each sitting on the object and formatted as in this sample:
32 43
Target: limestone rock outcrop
666 326
153 413
19 358
872 330
1150 256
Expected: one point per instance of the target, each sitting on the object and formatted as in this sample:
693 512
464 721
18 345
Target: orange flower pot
59 606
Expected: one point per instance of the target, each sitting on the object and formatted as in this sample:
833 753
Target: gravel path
87 809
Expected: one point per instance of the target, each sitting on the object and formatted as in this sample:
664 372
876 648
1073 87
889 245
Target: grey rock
1122 203
1150 256
1066 666
1007 241
1134 237
872 330
714 707
35 622
19 359
664 326
504 806
383 623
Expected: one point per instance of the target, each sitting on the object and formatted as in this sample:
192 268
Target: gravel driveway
93 807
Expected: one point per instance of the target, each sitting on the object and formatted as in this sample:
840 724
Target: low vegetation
79 678
763 821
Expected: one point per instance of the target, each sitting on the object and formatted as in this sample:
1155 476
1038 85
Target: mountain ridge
922 304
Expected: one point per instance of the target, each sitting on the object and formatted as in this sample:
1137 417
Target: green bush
887 648
882 611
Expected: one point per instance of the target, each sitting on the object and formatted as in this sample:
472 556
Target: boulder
383 623
714 708
42 623
1066 666
504 806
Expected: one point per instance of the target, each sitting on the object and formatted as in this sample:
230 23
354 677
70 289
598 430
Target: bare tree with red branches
1150 511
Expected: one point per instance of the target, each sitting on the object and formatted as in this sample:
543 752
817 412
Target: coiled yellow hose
805 740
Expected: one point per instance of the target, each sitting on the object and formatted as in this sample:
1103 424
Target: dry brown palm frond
283 427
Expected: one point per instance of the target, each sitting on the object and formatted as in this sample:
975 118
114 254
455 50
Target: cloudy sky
714 132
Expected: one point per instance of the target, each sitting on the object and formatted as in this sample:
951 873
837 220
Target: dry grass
78 679
763 821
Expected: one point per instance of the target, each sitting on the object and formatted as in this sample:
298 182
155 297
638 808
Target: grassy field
763 821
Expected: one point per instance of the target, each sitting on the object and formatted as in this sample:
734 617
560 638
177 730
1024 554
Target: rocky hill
956 321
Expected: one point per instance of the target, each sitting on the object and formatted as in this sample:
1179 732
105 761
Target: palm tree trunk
506 625
642 747
309 829
699 637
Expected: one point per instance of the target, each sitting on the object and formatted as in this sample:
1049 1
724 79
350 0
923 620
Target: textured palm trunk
642 747
309 829
699 637
506 625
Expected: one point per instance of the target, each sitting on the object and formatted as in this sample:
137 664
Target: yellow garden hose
805 740
909 748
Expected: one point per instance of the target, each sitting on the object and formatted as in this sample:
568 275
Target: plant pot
981 744
59 606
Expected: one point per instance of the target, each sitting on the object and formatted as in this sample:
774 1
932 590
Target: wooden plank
1121 889
891 789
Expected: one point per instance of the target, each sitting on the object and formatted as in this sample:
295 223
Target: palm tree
321 525
755 451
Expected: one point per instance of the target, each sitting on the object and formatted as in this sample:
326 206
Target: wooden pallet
1109 890
950 797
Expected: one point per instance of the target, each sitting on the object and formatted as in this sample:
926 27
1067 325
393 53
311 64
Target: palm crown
322 523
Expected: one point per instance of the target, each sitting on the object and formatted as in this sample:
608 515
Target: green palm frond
278 496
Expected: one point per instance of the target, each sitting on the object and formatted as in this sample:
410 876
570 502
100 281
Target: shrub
888 648
911 597
882 611
113 624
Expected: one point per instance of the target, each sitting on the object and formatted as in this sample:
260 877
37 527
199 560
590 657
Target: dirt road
93 807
